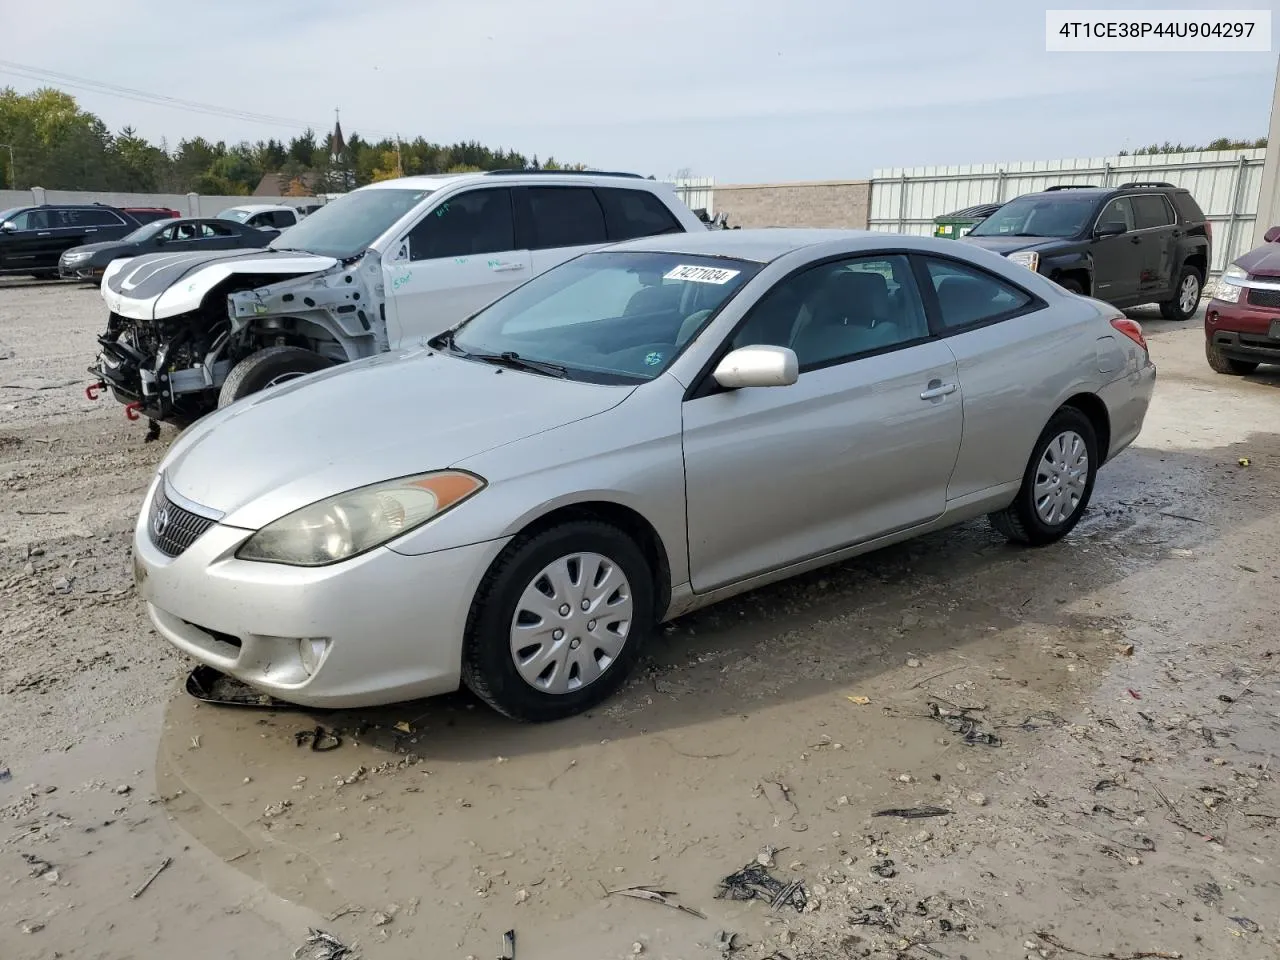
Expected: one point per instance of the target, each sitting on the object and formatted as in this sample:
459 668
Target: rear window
635 213
1188 209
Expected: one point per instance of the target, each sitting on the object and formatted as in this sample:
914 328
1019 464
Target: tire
1221 363
1021 522
266 368
490 652
1186 297
45 275
1069 285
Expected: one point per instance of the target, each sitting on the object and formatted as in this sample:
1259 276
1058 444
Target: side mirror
1272 235
9 227
161 239
1113 228
758 366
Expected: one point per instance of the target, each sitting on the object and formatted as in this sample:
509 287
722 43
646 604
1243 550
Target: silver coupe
639 432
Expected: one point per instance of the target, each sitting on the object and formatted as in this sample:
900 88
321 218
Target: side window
260 220
1119 210
186 231
565 217
968 296
168 234
95 218
635 213
22 221
209 231
470 224
838 311
1152 211
284 218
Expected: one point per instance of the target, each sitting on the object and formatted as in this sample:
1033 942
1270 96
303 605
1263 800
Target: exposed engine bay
230 333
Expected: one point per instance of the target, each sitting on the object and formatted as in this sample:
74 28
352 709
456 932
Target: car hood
106 246
1008 245
1263 261
358 423
136 287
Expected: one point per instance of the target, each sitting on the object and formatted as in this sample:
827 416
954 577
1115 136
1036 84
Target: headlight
1026 258
75 257
1226 290
354 522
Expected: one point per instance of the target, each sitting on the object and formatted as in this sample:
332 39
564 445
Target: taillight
1131 329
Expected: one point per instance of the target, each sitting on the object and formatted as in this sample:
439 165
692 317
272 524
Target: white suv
386 266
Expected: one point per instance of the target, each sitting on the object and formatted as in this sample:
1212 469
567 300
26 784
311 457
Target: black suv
1131 244
32 239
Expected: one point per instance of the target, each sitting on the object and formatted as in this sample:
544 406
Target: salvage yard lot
1098 718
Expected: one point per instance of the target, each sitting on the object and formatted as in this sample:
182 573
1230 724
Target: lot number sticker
701 274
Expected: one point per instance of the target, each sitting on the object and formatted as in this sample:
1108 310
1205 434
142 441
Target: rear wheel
1221 363
1070 285
559 621
1057 484
266 368
1186 298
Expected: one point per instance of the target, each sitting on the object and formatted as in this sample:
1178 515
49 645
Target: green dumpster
952 226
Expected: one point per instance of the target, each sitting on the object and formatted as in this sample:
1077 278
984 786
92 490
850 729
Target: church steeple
337 145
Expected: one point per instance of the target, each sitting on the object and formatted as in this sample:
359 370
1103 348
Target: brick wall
829 203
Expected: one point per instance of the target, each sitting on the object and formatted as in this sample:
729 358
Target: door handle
506 267
937 389
91 230
43 233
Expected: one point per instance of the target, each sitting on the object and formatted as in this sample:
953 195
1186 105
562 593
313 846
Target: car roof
257 207
437 181
761 245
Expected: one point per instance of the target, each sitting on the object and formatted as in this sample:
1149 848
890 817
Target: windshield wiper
513 360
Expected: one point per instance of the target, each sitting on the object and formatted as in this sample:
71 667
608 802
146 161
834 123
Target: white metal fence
1225 183
696 192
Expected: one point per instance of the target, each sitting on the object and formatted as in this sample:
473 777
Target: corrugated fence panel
1225 183
696 192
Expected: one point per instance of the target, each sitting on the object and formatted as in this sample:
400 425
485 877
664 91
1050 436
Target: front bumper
1243 331
392 625
79 271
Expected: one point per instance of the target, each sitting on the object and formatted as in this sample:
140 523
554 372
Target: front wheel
1186 298
266 368
1057 484
558 621
1219 362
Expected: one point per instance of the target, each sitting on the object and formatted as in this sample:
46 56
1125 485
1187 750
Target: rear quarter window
635 213
1187 207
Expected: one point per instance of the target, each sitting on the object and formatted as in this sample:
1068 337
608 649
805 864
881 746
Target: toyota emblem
160 522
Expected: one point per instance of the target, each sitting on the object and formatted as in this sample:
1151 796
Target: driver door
1118 261
462 255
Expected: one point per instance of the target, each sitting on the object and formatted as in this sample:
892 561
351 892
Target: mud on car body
387 266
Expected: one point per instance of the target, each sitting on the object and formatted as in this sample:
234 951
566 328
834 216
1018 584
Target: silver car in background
639 432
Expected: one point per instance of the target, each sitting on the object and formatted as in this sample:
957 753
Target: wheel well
629 522
1198 261
242 281
1092 407
1079 276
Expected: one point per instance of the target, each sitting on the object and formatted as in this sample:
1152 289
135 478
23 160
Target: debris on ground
318 738
958 721
39 867
508 946
324 946
726 942
164 865
913 813
5 775
1140 955
754 882
663 897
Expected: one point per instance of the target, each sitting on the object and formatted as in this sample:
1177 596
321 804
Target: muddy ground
1095 724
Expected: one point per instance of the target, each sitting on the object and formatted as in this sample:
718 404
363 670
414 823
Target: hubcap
571 623
1061 478
1190 294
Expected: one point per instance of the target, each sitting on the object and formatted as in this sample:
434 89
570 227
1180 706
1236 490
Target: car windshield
1038 216
347 225
146 232
7 214
236 214
617 317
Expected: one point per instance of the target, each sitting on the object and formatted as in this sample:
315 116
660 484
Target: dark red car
1242 321
151 214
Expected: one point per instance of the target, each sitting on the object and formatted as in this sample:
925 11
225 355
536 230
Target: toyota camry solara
642 431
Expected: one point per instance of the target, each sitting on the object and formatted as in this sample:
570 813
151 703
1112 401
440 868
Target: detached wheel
1221 363
1057 484
1187 299
558 622
266 368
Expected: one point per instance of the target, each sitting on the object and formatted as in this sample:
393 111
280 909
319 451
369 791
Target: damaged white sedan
386 266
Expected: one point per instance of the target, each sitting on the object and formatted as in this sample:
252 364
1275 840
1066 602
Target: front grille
173 528
1264 298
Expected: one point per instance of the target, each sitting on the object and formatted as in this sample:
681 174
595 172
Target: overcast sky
740 90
